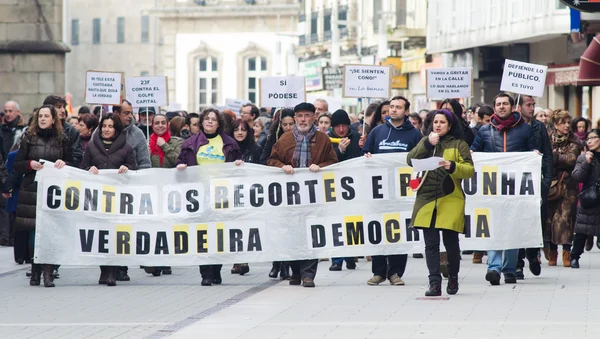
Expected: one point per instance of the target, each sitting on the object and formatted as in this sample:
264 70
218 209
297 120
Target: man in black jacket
526 106
345 144
59 104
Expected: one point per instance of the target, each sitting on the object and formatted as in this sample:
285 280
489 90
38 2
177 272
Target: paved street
561 303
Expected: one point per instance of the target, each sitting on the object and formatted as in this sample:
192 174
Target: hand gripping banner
225 214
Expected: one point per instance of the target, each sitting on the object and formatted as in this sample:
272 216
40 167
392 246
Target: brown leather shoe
235 269
295 280
566 257
553 257
477 257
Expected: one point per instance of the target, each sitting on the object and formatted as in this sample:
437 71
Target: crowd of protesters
309 136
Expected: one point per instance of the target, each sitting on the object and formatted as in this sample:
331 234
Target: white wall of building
228 47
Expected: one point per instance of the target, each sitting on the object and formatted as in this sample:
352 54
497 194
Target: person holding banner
108 149
244 135
304 147
506 132
164 151
345 144
440 201
210 146
396 135
44 139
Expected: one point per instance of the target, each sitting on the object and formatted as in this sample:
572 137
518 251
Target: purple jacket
190 147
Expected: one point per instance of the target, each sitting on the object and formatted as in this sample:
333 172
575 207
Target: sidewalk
561 303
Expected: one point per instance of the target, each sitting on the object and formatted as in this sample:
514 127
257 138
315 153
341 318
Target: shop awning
589 65
562 75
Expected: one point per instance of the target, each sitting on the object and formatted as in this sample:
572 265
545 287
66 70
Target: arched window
205 68
254 62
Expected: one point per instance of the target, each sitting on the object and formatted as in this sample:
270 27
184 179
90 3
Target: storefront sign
333 77
399 81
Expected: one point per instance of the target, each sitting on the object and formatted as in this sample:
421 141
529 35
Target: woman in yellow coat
440 202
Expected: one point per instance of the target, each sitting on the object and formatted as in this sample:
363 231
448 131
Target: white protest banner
445 83
524 78
250 213
235 105
103 88
287 91
147 91
367 81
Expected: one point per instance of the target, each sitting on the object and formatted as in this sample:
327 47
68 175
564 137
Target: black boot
122 273
111 275
275 270
166 270
103 275
285 271
36 272
48 272
452 287
435 289
574 263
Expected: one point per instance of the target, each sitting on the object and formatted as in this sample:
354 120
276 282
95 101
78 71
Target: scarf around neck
157 150
560 139
502 125
301 156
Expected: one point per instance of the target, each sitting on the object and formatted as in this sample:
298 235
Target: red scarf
502 125
154 148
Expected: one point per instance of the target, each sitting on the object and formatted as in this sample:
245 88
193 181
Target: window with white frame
256 67
207 85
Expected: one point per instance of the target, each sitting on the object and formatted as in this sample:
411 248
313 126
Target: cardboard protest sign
103 88
282 91
147 91
445 83
367 81
235 105
524 78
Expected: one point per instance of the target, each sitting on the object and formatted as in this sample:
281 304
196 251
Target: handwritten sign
103 88
147 91
282 91
445 83
367 81
524 78
235 105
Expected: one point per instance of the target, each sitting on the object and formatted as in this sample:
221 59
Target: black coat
543 145
517 138
119 154
588 219
352 151
75 142
34 148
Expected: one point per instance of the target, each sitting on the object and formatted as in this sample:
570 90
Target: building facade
32 52
482 34
333 33
210 50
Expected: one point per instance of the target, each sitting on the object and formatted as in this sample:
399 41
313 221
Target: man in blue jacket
396 135
506 132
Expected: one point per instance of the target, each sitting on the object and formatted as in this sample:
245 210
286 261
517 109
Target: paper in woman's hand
427 164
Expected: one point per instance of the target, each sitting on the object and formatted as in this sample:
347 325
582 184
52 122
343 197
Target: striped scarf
302 150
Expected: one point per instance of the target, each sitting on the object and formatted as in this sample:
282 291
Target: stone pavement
561 303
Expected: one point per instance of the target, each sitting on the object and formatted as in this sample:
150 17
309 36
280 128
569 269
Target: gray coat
588 220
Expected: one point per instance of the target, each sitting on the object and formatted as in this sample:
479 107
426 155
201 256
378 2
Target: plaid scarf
302 150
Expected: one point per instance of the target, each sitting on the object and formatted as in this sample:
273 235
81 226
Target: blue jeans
340 261
503 261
